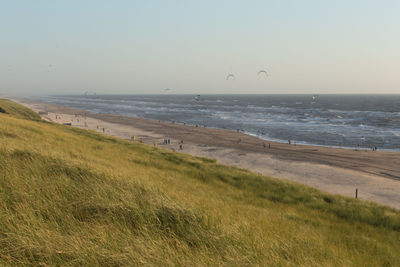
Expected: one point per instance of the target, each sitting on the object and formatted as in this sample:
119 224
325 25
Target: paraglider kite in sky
230 76
197 98
262 72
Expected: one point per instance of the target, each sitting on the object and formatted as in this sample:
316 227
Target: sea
347 121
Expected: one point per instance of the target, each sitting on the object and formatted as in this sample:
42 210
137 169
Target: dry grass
76 197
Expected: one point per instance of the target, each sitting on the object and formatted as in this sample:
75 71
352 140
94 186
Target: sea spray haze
329 120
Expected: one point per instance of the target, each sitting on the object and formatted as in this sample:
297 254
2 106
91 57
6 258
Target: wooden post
356 192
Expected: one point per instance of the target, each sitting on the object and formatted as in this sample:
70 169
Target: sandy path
338 171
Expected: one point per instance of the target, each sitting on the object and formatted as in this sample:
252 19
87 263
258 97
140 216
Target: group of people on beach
374 148
265 146
168 141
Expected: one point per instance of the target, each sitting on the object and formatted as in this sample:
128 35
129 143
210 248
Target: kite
264 72
230 75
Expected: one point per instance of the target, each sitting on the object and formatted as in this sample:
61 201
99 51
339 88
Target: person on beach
269 146
181 147
264 145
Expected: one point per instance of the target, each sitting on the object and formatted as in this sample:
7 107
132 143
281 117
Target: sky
144 47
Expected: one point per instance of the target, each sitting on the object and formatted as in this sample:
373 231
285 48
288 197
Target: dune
72 196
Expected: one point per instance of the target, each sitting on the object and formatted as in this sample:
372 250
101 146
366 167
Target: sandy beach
376 174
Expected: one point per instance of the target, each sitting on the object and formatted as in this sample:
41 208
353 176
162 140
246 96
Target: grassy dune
17 111
75 197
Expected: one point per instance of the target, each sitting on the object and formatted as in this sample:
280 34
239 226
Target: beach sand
376 174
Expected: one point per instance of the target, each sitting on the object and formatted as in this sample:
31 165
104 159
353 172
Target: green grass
17 111
75 197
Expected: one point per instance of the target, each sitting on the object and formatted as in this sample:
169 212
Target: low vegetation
17 111
75 197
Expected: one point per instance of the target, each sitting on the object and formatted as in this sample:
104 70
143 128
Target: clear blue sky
308 46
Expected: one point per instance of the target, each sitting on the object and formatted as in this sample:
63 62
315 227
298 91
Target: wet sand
376 174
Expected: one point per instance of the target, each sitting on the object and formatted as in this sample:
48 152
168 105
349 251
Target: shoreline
280 141
327 146
334 170
317 142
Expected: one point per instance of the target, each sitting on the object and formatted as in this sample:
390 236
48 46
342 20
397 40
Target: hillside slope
17 111
75 197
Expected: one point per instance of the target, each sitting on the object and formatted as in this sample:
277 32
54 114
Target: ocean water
329 120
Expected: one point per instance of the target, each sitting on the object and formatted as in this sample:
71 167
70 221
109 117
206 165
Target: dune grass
17 111
75 197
